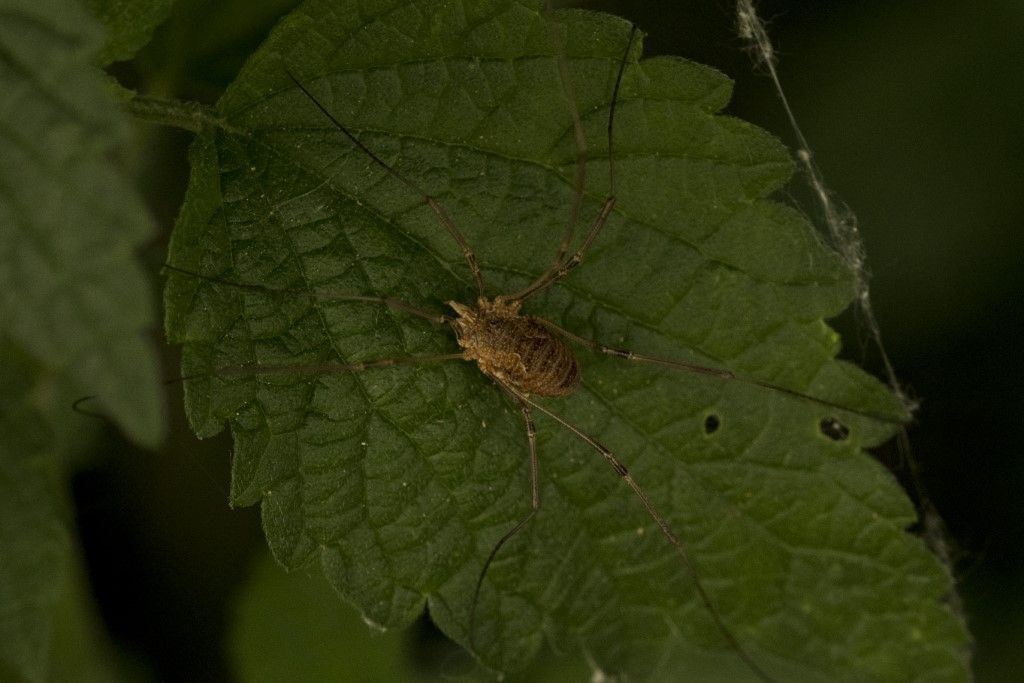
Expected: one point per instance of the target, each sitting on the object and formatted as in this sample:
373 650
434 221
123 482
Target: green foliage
73 310
129 23
399 481
291 627
70 290
33 541
47 628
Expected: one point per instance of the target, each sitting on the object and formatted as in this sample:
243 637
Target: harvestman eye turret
529 357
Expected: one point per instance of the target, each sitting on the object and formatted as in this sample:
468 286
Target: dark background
914 111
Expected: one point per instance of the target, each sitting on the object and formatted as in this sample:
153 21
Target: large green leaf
399 481
71 291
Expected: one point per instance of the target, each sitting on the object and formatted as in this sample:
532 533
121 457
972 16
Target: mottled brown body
517 350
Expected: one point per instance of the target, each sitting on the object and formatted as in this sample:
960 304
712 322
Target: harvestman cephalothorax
531 358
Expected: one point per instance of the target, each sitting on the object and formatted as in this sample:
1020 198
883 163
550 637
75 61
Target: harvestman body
529 357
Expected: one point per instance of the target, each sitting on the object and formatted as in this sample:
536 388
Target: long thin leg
531 436
666 531
553 276
717 373
328 368
582 148
561 266
442 215
316 296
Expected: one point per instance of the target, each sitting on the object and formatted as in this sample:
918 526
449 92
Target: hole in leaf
711 424
834 429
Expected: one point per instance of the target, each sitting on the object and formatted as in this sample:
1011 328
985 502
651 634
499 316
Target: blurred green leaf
80 649
47 628
33 542
291 627
202 46
229 25
129 23
71 291
74 308
399 481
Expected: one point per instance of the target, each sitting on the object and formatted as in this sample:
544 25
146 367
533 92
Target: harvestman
529 357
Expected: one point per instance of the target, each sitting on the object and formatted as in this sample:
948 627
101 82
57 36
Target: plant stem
176 113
